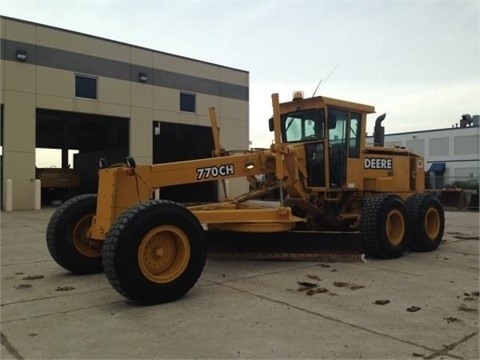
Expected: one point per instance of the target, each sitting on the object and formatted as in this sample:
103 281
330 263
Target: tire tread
57 240
115 238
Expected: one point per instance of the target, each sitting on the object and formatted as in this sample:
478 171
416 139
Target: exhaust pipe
379 132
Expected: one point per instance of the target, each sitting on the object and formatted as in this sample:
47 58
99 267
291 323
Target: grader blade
291 246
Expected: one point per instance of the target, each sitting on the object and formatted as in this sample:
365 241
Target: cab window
305 125
354 135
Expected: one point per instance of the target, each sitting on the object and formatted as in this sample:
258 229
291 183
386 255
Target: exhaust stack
379 132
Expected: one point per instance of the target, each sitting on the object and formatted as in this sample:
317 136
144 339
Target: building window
465 145
417 145
438 147
85 86
187 102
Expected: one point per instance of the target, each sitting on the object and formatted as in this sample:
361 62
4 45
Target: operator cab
320 123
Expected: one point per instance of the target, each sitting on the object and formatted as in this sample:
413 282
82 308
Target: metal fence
437 182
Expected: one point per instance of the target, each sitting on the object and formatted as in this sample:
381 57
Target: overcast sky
418 61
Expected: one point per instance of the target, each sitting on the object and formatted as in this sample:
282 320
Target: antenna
317 87
321 81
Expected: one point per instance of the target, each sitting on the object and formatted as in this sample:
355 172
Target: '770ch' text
215 171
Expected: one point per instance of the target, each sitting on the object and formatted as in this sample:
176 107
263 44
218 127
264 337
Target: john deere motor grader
319 170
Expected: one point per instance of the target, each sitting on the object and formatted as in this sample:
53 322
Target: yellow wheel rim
82 243
432 223
395 227
164 254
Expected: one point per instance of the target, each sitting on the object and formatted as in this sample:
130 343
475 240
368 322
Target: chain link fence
438 182
455 192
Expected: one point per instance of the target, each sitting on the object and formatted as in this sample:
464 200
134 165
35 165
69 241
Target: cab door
344 143
337 152
315 154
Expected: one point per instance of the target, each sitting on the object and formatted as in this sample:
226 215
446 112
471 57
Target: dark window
187 102
85 87
168 146
354 135
337 134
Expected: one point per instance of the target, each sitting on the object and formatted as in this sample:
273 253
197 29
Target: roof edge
118 42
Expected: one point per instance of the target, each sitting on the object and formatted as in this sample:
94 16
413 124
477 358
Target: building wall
47 80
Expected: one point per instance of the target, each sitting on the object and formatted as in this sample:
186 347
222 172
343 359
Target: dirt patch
347 285
64 288
33 277
466 308
23 286
451 319
306 284
414 308
382 302
465 237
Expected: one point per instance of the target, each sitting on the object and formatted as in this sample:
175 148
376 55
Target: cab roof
322 101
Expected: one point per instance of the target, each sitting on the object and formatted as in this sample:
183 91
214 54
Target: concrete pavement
423 305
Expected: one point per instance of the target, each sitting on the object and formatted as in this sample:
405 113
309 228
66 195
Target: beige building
94 97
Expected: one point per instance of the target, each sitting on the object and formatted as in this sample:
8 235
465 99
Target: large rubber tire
385 226
67 239
428 221
154 252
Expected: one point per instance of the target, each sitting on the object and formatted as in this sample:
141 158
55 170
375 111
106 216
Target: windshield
303 125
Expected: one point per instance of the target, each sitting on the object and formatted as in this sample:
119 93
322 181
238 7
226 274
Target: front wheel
428 221
154 252
67 236
384 226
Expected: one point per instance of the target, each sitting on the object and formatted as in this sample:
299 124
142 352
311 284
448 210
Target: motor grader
319 171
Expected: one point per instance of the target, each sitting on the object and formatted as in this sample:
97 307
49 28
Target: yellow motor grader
319 170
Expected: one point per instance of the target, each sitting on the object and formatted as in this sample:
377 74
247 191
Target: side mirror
102 163
270 124
131 162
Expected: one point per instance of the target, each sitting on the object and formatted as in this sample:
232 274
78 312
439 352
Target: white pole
38 194
8 195
225 193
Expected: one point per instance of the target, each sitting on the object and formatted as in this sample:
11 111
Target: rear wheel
154 252
428 221
67 236
384 225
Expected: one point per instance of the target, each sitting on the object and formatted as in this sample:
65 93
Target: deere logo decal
378 163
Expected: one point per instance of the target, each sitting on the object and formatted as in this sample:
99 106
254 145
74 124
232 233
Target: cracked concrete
247 309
